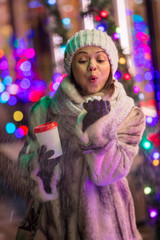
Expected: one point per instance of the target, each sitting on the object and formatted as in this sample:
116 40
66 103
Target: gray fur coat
90 197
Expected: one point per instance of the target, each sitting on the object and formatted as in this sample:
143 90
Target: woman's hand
95 110
47 165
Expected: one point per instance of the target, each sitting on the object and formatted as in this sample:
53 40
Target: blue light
137 18
63 48
158 95
148 76
10 128
51 2
7 80
138 78
19 133
66 21
4 73
117 74
12 101
25 83
149 119
101 27
34 4
55 76
4 97
148 88
2 87
156 155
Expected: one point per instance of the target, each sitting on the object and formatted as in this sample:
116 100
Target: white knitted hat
92 37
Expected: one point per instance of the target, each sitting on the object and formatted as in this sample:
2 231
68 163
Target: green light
147 145
147 190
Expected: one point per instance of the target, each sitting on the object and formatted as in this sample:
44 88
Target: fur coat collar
68 103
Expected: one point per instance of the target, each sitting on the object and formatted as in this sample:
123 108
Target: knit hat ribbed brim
92 37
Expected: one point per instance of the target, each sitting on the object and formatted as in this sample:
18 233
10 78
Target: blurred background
33 36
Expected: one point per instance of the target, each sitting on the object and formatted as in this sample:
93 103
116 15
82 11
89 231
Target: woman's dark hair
109 86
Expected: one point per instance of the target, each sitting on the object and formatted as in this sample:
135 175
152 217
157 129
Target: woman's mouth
93 79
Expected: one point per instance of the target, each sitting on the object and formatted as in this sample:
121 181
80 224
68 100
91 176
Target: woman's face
91 69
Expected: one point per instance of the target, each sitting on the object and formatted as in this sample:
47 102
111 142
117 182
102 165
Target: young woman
84 192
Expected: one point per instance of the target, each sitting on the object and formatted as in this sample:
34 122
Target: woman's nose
92 66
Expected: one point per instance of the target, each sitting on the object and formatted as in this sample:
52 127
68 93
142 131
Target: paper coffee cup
47 134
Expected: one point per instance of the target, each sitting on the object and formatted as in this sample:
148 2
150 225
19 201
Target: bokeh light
29 53
153 213
4 97
138 78
1 53
17 116
12 101
25 83
148 88
2 87
19 133
24 129
66 21
7 80
122 60
51 2
156 155
127 76
103 14
147 190
155 162
10 128
136 89
26 66
3 65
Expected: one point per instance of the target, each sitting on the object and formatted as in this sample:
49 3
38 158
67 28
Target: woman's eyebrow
81 52
101 51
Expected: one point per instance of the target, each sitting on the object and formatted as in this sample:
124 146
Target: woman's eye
82 61
100 60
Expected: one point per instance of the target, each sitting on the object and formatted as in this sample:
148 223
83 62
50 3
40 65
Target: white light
123 26
88 18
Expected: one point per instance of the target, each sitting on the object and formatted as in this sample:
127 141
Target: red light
127 76
22 60
98 18
24 129
34 96
104 14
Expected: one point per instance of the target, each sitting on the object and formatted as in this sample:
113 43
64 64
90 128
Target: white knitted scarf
68 103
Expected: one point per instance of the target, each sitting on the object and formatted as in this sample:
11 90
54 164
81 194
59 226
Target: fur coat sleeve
28 158
110 148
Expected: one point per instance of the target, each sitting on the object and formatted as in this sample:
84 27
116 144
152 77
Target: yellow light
118 30
17 116
147 190
122 60
155 162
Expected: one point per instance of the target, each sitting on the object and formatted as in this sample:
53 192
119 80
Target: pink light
29 53
136 89
4 65
142 36
116 35
153 213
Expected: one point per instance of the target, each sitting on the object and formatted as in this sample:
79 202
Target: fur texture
90 198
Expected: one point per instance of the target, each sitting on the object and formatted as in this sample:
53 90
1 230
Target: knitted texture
92 37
